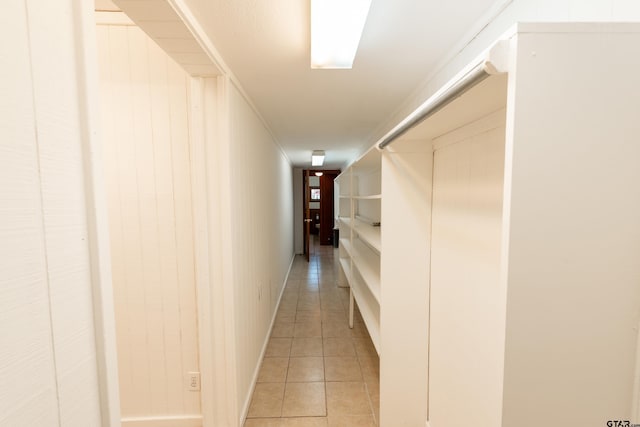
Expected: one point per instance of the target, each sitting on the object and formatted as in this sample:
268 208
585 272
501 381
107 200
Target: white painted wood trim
169 421
201 247
222 234
254 380
97 220
216 112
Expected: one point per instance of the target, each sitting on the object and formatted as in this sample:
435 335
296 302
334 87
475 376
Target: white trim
97 220
254 380
165 421
201 249
217 140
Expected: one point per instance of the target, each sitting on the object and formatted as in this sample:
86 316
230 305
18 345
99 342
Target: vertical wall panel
26 349
261 234
48 365
148 168
466 343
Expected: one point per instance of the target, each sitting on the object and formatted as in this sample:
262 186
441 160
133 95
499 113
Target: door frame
306 173
207 103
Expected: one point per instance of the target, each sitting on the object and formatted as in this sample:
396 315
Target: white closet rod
436 103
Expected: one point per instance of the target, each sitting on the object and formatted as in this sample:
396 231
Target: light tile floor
317 372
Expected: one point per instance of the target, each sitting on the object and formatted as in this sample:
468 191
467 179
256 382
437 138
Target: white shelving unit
511 247
360 243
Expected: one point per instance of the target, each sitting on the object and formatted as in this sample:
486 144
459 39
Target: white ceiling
266 45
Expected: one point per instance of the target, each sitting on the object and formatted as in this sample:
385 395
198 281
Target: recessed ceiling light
336 28
319 173
317 158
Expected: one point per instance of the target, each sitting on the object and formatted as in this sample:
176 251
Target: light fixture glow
336 28
319 173
317 158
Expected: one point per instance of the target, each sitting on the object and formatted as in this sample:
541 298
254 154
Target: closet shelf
360 237
370 197
368 233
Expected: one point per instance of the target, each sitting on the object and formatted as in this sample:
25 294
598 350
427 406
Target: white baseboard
164 421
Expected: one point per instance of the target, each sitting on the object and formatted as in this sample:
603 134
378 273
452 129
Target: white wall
148 173
495 23
261 234
48 360
467 299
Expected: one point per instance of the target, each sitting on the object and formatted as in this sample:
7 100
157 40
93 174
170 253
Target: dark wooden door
327 214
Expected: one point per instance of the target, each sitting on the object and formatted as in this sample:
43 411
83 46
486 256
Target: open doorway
318 202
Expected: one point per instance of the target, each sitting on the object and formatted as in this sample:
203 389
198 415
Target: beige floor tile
285 316
365 348
370 374
351 421
347 398
331 304
301 347
306 305
310 286
373 388
375 405
369 360
273 370
307 330
309 295
304 422
282 330
304 400
336 330
342 369
289 294
288 305
312 322
305 291
303 316
359 330
342 347
278 347
334 316
305 369
267 400
263 422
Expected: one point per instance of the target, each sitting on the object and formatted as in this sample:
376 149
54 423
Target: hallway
316 371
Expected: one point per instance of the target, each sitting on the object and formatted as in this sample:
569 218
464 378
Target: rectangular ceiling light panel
336 28
317 158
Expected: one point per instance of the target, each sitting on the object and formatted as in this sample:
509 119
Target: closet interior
483 239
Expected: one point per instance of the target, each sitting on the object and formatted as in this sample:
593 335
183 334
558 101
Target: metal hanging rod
433 105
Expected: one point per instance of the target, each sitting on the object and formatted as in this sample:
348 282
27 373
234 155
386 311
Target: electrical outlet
193 381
